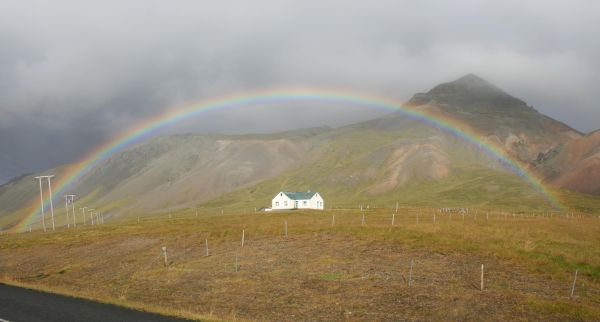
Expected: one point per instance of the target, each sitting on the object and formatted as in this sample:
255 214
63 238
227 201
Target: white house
297 200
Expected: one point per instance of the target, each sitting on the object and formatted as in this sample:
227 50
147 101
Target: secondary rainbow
172 116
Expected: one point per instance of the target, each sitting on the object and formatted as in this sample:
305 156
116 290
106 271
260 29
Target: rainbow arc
146 128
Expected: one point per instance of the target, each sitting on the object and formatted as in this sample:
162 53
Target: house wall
316 202
282 201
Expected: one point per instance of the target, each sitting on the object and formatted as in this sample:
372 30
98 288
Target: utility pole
42 202
83 211
72 199
51 206
42 199
91 211
67 210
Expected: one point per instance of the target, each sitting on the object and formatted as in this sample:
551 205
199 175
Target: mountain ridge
387 159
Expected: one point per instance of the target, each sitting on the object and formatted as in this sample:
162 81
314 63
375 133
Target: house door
296 204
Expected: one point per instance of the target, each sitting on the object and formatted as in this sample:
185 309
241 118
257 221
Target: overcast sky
73 73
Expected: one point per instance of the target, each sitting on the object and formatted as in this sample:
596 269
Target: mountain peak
474 82
469 92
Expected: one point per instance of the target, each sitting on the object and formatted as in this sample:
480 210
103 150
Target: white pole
482 277
574 281
51 206
410 273
83 211
42 203
434 218
73 210
243 237
206 245
164 249
363 220
396 207
332 220
67 210
393 218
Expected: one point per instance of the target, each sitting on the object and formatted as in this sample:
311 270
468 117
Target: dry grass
320 272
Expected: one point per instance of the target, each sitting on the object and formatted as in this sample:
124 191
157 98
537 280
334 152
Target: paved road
23 305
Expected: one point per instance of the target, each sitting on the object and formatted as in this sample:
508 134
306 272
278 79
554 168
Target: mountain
503 119
378 162
174 171
563 156
575 165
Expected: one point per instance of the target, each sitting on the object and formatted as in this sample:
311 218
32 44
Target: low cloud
73 73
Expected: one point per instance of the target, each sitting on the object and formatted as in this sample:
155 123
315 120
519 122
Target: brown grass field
347 271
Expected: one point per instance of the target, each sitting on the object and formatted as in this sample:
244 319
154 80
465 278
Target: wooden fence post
410 273
482 277
574 281
164 249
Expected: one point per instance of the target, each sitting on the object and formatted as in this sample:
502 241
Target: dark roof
299 195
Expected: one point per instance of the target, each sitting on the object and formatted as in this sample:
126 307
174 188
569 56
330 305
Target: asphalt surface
23 305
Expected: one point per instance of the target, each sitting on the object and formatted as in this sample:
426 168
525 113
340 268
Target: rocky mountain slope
575 165
508 121
561 155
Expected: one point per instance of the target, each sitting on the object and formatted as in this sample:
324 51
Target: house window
277 203
304 202
285 203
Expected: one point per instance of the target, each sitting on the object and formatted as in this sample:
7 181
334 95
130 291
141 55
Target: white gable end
282 201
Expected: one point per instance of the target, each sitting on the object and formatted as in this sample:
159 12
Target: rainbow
150 126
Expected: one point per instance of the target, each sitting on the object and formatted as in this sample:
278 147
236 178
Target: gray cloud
73 73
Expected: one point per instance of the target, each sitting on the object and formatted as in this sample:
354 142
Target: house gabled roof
299 195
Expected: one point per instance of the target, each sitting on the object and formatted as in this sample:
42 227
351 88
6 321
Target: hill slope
376 162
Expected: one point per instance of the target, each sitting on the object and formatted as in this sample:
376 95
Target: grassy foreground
325 268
